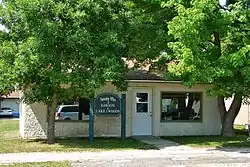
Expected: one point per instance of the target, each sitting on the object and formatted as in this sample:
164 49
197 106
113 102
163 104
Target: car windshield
6 108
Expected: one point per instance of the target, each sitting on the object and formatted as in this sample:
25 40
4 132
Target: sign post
123 117
91 121
110 105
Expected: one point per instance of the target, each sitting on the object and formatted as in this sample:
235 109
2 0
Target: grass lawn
238 141
39 164
11 143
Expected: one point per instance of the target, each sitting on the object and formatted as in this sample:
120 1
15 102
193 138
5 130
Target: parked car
6 111
69 112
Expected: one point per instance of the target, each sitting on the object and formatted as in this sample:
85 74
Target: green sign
107 104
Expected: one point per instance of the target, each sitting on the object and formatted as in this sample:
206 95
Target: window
141 102
73 110
70 109
6 108
181 106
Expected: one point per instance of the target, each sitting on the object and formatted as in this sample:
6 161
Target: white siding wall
243 116
33 123
211 124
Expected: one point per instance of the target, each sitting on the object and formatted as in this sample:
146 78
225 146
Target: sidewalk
108 155
162 144
166 149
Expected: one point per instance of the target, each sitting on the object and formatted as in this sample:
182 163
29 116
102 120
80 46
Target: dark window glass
181 106
142 107
141 97
84 105
70 109
6 108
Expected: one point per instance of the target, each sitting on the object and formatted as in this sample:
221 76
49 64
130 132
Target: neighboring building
243 117
153 107
12 101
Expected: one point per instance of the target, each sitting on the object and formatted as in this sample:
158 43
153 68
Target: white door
142 113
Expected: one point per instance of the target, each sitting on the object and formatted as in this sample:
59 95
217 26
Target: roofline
154 81
162 81
10 98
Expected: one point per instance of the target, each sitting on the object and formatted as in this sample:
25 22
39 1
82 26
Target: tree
57 50
147 34
6 83
212 45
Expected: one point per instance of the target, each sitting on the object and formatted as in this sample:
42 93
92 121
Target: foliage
6 77
212 45
148 34
68 48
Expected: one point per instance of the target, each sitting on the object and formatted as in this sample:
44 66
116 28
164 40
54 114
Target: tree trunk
228 117
51 120
227 126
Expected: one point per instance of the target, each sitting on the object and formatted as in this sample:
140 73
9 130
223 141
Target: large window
73 110
181 106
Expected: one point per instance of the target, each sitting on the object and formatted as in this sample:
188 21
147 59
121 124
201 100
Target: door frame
150 108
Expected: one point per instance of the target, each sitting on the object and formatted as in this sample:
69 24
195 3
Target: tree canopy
212 46
57 50
51 43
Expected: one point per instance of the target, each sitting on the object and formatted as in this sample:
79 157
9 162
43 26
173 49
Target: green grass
238 141
39 164
8 125
70 145
11 143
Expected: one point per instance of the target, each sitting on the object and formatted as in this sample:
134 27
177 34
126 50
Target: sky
1 27
222 2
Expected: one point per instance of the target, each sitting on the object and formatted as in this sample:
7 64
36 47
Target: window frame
184 121
147 102
68 121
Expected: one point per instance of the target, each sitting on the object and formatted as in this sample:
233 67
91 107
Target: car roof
69 105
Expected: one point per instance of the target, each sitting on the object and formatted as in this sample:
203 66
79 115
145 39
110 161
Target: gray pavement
202 161
161 144
132 158
169 154
199 158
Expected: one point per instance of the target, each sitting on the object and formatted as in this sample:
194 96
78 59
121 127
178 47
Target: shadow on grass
238 143
101 143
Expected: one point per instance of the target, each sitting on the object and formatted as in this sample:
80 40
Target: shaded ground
239 141
11 143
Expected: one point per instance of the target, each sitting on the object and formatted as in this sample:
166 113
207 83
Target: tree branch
222 108
235 106
217 41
